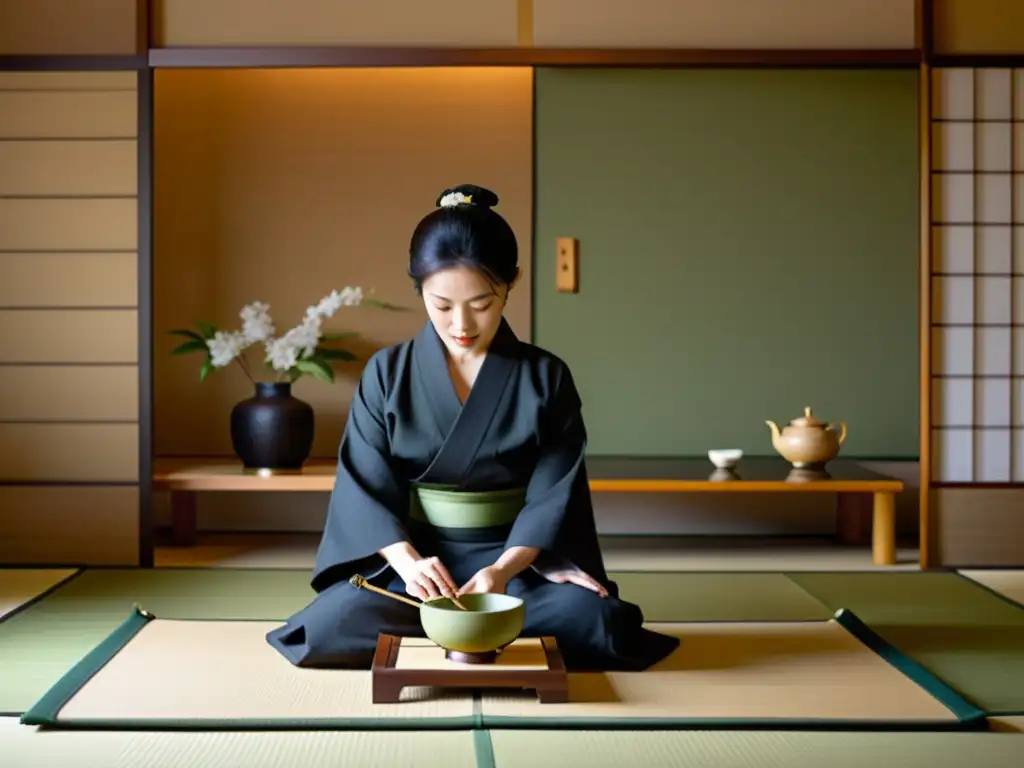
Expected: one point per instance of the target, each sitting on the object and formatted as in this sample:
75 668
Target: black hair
468 233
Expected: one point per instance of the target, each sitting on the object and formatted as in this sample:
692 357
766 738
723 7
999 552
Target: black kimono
520 427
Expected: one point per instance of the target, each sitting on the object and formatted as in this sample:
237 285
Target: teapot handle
842 429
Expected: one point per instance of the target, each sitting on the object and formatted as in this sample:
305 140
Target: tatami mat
1009 584
1008 724
38 645
27 747
41 643
967 636
19 586
718 596
728 674
204 675
752 749
957 629
192 593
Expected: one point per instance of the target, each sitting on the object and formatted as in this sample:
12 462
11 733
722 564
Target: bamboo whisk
359 581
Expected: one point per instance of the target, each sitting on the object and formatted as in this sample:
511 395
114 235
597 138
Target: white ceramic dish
725 458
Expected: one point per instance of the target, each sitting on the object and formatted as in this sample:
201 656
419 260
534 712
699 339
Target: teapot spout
775 430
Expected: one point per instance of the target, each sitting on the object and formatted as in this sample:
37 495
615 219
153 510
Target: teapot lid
807 420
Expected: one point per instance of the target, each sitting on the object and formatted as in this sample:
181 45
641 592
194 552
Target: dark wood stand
551 684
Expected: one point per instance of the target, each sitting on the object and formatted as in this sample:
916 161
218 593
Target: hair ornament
453 199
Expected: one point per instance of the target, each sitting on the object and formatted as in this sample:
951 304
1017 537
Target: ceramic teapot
807 442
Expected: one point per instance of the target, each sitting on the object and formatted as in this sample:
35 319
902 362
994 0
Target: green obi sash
449 510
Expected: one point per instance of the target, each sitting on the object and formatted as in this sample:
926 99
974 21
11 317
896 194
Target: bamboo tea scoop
361 583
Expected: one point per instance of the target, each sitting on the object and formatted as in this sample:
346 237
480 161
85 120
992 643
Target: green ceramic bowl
448 508
492 621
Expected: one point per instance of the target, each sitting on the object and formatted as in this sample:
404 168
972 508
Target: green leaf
319 359
335 354
192 345
338 336
205 370
317 368
208 329
186 334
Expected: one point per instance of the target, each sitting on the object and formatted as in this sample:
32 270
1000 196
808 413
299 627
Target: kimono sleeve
558 517
369 499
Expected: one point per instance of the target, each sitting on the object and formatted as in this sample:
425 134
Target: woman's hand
489 579
577 577
427 579
424 577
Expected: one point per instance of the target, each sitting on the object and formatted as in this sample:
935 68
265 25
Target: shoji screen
978 276
69 374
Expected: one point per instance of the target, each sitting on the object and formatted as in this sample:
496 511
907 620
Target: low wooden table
528 663
857 489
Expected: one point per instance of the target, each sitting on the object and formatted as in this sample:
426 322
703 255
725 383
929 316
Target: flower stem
245 367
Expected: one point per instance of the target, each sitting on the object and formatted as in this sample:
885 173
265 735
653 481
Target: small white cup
725 458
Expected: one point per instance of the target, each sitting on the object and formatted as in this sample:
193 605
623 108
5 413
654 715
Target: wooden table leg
853 519
884 529
556 693
183 518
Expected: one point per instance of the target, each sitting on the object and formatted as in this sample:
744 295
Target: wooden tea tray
532 663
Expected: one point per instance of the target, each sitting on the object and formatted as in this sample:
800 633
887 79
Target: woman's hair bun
464 231
467 194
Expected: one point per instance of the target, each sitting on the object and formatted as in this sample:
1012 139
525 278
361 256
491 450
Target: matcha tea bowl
472 629
474 635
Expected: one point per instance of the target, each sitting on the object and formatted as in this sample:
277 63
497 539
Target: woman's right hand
428 579
424 577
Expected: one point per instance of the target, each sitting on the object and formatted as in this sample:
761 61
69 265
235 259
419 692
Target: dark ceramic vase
273 429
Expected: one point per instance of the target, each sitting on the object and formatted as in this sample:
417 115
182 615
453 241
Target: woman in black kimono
465 404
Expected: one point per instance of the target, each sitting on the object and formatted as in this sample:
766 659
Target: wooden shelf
522 56
202 474
607 474
78 62
860 492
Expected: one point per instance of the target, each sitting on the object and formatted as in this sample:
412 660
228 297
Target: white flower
351 297
282 355
306 335
347 297
301 340
225 346
454 198
326 308
256 322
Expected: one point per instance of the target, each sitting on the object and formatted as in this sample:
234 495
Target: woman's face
465 309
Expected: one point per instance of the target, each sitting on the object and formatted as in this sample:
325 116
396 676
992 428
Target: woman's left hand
489 579
579 578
